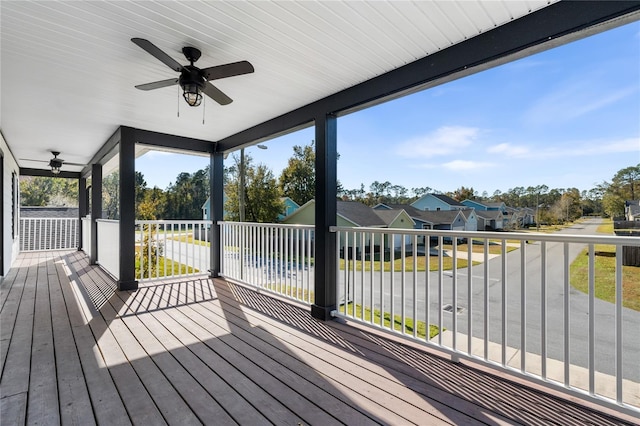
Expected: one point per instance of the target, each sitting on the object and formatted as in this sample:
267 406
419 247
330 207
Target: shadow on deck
74 350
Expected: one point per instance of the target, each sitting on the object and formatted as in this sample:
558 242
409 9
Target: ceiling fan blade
66 163
227 70
155 51
157 84
216 94
31 159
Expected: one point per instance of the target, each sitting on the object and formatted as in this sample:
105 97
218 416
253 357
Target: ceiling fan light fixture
55 166
192 94
192 84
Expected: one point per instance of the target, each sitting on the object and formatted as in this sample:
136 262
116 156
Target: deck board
43 390
206 351
12 289
341 377
75 404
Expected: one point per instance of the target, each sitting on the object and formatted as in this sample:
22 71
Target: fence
37 234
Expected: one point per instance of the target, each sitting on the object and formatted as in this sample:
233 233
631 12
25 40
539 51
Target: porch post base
323 313
127 285
213 273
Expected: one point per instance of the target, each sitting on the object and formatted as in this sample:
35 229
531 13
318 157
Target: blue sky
567 117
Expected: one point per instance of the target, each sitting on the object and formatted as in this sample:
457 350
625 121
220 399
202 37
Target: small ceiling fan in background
193 80
55 163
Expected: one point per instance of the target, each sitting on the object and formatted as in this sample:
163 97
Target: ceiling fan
55 163
193 80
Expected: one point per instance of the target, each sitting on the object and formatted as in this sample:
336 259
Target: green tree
625 185
111 195
48 191
152 205
463 193
186 196
298 180
263 196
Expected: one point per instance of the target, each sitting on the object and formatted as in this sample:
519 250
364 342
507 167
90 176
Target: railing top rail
269 225
537 236
49 218
107 220
169 221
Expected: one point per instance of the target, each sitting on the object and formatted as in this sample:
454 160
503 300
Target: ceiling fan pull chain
204 105
178 101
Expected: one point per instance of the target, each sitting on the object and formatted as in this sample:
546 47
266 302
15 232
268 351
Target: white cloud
509 150
574 101
444 140
459 165
590 148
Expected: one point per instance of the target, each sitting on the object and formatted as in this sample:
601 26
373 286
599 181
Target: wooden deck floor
75 351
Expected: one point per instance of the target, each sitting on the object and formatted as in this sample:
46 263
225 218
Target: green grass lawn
605 264
421 264
173 268
606 227
189 240
495 247
302 294
421 326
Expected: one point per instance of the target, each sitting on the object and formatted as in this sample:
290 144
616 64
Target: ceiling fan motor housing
55 163
191 75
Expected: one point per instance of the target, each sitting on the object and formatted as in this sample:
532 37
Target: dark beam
216 207
126 277
549 27
171 141
47 173
106 152
326 214
83 207
96 209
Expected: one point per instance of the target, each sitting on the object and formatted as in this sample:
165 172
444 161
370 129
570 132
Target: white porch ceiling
68 69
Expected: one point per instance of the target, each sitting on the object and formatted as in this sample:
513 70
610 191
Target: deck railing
109 245
172 248
505 299
48 233
272 257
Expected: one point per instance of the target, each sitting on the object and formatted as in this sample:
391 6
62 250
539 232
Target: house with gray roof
490 220
632 210
356 214
457 220
437 202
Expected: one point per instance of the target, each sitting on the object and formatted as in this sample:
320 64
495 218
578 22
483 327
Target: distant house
290 206
486 205
437 202
461 220
519 217
632 210
471 223
206 208
356 214
497 221
414 213
490 220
